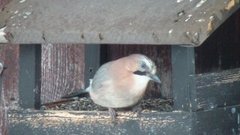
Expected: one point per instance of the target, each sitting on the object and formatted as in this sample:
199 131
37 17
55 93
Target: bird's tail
80 93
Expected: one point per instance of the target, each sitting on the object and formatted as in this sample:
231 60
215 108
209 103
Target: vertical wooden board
3 116
29 76
92 61
3 112
62 70
183 79
161 55
6 89
9 54
3 121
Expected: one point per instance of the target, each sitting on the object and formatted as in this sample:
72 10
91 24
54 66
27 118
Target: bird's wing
101 77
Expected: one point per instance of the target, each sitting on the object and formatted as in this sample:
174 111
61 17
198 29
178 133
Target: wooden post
3 110
92 61
183 76
29 76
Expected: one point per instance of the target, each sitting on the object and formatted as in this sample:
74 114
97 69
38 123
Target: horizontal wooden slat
220 121
70 123
115 22
218 89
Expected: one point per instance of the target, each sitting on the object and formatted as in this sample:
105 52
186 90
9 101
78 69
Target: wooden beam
217 121
75 122
220 121
114 22
183 79
218 89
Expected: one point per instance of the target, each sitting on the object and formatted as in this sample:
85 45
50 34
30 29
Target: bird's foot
112 114
137 109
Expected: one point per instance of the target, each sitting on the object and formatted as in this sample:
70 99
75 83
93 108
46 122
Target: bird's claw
137 109
112 114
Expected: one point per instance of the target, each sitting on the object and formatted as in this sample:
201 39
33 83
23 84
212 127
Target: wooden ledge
113 22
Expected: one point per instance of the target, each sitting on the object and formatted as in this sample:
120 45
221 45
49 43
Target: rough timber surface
218 89
64 123
216 121
62 69
172 22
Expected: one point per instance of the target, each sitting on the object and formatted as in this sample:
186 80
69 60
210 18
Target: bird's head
143 66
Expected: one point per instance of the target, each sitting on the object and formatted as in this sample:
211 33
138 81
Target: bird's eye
143 65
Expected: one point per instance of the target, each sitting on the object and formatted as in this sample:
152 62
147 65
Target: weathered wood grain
89 123
62 70
3 114
161 55
3 120
183 85
115 22
9 55
3 107
29 76
217 89
218 121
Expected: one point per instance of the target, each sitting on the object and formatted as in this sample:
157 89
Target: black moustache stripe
140 73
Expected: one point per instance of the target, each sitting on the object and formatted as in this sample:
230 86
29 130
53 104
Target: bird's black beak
155 78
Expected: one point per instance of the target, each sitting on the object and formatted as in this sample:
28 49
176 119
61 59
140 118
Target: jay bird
121 83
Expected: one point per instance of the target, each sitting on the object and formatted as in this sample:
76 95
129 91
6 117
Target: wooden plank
218 121
161 55
92 61
3 118
183 81
3 107
218 89
9 54
66 122
62 70
114 22
29 76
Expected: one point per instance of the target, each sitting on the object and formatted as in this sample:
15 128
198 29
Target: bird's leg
137 109
112 113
